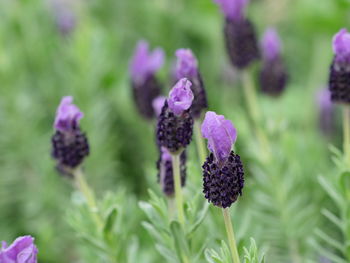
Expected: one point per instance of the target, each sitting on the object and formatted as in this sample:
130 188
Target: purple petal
324 99
341 46
68 115
221 134
145 63
181 96
271 44
166 156
22 250
158 104
186 64
233 9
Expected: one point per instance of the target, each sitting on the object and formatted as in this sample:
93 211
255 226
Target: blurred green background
39 65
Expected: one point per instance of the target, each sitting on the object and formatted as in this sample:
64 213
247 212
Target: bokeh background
89 59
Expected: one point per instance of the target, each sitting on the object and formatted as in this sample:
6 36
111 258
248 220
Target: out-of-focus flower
233 9
273 76
339 80
175 123
223 175
69 145
165 171
22 250
240 37
143 67
326 112
158 104
65 16
187 67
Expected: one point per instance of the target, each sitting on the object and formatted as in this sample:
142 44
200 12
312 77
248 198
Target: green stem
201 150
178 190
170 208
346 129
230 235
89 196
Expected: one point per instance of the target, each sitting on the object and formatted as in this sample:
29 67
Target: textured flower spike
326 112
175 123
69 145
187 67
223 171
165 171
143 68
241 43
339 81
273 76
22 250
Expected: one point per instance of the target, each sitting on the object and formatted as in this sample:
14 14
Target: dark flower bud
145 85
165 171
222 171
339 80
175 123
187 67
69 145
273 75
223 180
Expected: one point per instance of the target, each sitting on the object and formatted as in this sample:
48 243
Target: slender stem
89 196
346 128
170 208
201 150
178 190
230 235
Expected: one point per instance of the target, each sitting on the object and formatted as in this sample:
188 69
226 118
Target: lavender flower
22 250
165 171
69 145
241 43
223 170
65 16
187 67
273 76
143 68
175 123
339 80
326 112
158 104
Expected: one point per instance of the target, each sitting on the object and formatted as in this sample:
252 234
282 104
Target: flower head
271 44
158 104
233 9
221 134
145 63
341 46
186 64
68 115
180 97
22 250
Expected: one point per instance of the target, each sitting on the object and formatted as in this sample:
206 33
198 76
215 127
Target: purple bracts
68 115
233 9
180 97
223 175
69 145
22 250
220 133
158 104
145 63
339 78
273 76
187 67
326 112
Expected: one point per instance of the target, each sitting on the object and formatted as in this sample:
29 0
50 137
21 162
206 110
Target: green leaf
199 220
180 242
212 256
166 253
110 221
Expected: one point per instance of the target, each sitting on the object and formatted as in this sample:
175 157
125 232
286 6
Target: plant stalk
230 235
346 135
201 150
178 190
89 196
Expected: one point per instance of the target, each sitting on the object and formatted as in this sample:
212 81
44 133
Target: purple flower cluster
143 67
69 145
22 250
273 76
339 79
223 175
